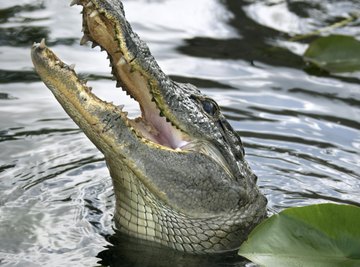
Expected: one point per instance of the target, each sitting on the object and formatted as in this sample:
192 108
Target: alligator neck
142 215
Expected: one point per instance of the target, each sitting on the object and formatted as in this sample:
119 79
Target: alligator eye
210 107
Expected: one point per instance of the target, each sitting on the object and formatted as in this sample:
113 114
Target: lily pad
312 236
334 53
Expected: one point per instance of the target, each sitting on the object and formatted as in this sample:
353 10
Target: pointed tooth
75 2
90 4
102 48
72 66
121 61
94 45
42 43
132 69
94 14
90 88
118 84
84 39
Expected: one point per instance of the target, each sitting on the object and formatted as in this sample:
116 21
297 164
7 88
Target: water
301 129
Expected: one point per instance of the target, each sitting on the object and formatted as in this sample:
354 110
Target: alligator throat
178 170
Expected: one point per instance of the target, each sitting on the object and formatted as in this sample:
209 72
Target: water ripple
300 130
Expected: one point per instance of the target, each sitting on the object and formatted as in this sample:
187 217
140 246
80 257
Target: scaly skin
179 173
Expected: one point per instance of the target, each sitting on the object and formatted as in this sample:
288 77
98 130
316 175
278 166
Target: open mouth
175 126
104 29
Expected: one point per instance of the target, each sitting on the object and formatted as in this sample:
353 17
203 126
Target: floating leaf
335 53
325 235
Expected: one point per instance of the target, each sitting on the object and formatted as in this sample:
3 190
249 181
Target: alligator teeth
121 61
72 66
75 2
84 39
94 14
121 107
118 84
90 4
94 45
42 43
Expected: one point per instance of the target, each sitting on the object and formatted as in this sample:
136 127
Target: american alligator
178 171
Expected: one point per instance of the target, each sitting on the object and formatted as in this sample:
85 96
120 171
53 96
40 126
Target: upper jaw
135 70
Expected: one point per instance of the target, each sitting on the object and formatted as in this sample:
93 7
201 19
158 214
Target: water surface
300 128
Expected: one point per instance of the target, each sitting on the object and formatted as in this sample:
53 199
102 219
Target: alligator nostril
90 4
84 39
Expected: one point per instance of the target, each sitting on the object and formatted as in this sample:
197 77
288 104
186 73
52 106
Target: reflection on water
125 251
301 129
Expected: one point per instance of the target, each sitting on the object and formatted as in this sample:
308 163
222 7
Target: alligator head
178 171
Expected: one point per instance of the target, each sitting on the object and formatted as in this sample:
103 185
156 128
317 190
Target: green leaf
335 53
324 235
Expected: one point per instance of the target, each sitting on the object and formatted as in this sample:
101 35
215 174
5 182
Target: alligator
179 174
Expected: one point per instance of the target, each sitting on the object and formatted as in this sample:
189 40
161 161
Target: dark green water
301 130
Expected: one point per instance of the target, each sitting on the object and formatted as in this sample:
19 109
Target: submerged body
179 174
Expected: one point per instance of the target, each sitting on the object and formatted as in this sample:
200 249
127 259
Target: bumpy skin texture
184 182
